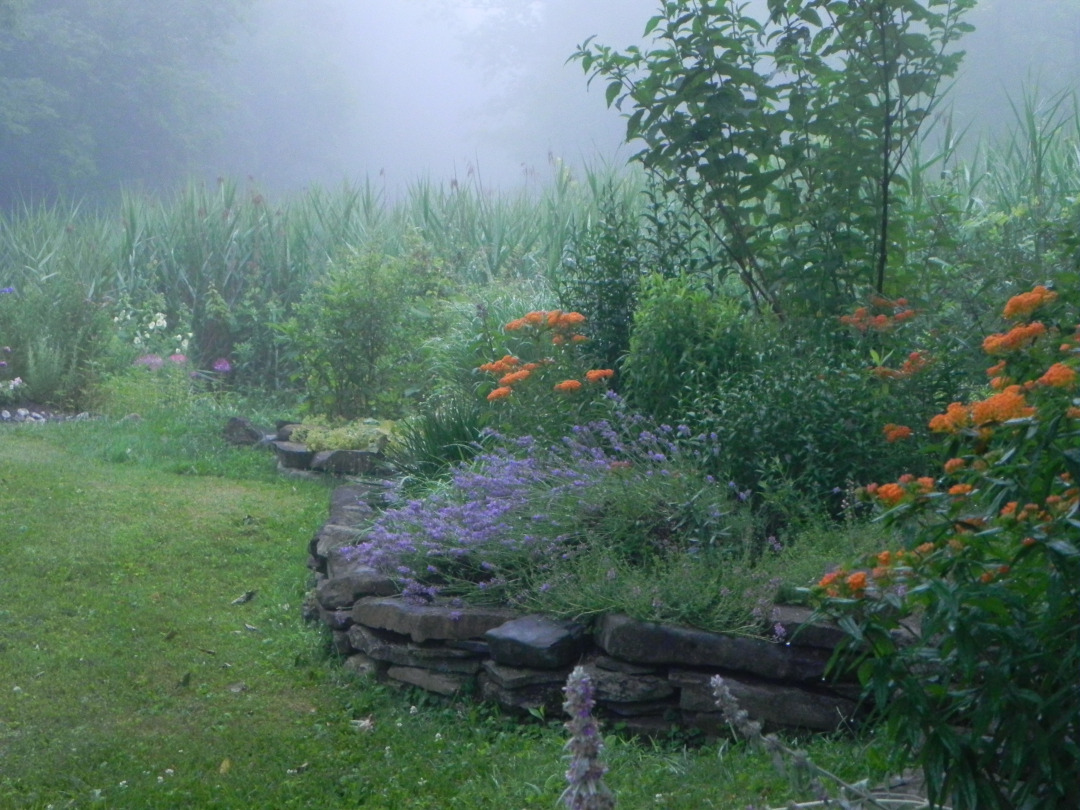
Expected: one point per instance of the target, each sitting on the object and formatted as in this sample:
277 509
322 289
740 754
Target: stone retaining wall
649 677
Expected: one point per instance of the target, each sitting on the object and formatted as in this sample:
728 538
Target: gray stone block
536 641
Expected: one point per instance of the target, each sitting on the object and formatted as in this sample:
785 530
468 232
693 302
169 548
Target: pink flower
178 359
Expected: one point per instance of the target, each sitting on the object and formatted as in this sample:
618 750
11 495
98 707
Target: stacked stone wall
649 677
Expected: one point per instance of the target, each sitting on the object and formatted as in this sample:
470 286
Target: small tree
787 137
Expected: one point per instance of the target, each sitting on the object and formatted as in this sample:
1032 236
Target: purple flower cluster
520 508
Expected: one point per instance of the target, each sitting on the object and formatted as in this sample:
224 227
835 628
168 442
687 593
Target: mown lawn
129 679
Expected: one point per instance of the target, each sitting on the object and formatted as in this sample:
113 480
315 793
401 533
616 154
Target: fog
335 89
481 91
304 92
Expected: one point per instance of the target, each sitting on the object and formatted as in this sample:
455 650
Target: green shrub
368 434
684 338
55 334
357 334
599 276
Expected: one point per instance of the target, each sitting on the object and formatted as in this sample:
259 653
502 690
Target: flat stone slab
346 462
341 593
652 643
798 629
331 537
350 505
441 683
427 622
292 455
519 677
618 687
545 697
439 658
773 704
537 642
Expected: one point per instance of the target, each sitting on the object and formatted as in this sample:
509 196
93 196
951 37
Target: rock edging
649 677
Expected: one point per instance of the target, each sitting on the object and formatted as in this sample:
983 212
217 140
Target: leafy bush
357 332
684 338
599 277
369 434
983 694
55 335
798 404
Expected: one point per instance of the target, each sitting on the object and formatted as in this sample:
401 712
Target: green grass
128 679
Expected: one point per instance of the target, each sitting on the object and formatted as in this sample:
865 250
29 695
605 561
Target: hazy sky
396 90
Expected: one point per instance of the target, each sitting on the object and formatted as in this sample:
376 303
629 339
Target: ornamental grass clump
968 637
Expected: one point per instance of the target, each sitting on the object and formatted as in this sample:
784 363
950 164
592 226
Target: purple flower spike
585 776
222 366
7 290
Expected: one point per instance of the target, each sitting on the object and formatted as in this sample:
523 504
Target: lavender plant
617 514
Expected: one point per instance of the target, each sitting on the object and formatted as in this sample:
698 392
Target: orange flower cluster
895 433
1058 375
835 582
564 324
892 494
1019 337
954 465
511 371
1010 403
1001 407
502 366
864 321
957 416
598 374
568 386
915 362
1022 305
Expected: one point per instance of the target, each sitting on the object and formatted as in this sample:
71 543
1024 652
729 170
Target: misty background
295 93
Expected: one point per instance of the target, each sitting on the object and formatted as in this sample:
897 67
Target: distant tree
97 94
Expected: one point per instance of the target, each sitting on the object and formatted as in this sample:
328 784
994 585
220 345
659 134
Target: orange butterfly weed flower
500 393
895 433
568 320
1009 404
535 318
1017 338
954 465
515 377
961 489
956 417
598 374
568 386
1022 305
515 325
890 494
856 582
578 338
1058 375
